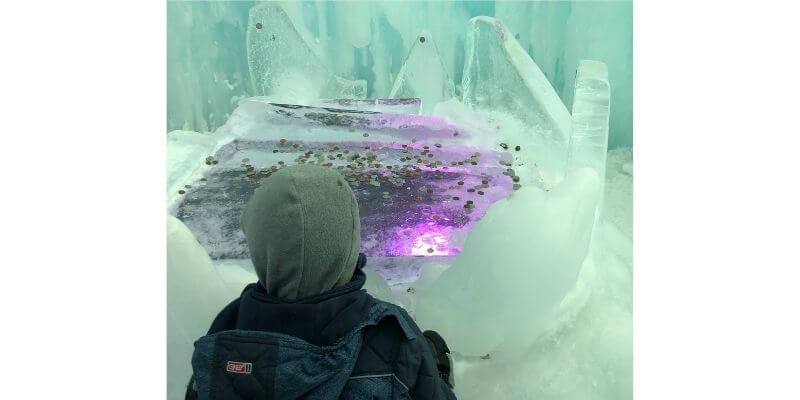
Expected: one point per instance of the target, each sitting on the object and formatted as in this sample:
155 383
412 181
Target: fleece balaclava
303 231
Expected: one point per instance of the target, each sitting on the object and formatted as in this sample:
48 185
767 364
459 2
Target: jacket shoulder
396 346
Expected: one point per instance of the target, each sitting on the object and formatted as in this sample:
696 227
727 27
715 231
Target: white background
716 150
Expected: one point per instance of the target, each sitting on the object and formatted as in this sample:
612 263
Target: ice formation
189 310
588 141
207 72
509 277
424 75
501 78
282 66
503 290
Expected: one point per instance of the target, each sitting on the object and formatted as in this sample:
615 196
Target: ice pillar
588 142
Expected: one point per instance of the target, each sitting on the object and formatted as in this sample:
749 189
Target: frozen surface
183 150
420 181
391 106
424 75
282 66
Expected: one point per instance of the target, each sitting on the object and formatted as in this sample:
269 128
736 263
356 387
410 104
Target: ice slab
410 203
283 66
518 264
420 180
390 106
499 76
424 75
260 118
588 142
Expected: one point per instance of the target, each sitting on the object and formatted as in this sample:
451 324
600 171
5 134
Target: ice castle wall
207 69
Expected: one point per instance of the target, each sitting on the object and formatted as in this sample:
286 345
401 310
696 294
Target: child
307 329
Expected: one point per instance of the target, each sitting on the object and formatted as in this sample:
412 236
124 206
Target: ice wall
189 311
207 64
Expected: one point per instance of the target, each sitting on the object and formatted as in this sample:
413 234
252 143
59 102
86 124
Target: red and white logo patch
239 367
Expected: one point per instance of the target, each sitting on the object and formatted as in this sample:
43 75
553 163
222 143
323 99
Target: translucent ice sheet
420 186
282 65
424 75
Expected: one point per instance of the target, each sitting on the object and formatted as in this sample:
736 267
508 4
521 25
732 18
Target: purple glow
428 239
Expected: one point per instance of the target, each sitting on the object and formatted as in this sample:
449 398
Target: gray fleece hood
303 231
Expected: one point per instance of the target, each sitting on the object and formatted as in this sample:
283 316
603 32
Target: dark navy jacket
343 344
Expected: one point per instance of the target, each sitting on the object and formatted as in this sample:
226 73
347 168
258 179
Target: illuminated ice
417 179
283 66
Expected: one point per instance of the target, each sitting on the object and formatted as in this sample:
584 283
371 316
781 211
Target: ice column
588 143
282 65
590 114
424 75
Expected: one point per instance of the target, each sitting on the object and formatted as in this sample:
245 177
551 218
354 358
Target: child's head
303 231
